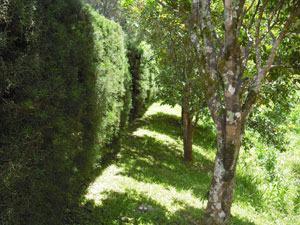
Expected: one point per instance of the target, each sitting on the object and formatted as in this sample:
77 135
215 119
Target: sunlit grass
165 195
166 109
161 137
149 171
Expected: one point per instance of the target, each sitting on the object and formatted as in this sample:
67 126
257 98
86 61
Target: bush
143 70
113 77
63 70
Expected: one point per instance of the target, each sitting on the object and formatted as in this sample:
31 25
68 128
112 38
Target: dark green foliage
48 108
275 103
143 71
62 71
113 80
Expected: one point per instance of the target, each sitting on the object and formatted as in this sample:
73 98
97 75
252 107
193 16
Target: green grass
149 170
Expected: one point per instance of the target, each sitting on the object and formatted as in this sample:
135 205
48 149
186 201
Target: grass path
148 183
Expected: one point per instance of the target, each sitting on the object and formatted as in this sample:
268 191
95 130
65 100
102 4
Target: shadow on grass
108 157
246 191
204 136
124 208
240 221
148 160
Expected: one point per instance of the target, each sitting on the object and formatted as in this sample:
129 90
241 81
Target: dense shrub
62 72
143 70
112 69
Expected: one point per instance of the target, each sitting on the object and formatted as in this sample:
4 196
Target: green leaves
64 69
144 71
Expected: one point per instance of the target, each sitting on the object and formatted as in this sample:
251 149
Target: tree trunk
221 191
224 67
181 116
188 128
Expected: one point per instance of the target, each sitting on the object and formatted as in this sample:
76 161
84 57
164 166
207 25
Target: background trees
179 81
236 44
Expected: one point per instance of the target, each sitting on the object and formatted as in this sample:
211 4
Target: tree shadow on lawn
148 160
240 221
204 136
124 208
194 216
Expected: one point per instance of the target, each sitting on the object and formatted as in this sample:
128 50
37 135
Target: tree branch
253 16
277 42
240 16
270 26
257 37
257 80
246 56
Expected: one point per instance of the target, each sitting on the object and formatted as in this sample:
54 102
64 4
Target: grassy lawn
147 181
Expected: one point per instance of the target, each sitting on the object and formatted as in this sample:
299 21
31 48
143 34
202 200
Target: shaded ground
147 169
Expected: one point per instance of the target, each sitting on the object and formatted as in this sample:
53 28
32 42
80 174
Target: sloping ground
148 183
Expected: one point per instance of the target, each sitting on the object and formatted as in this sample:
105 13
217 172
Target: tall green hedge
143 70
64 94
113 80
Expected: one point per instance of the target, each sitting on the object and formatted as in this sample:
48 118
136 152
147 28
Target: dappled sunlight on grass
163 138
167 195
244 213
177 145
106 182
158 162
148 170
168 126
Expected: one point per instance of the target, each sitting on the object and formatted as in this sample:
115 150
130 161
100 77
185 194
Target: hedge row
65 93
48 108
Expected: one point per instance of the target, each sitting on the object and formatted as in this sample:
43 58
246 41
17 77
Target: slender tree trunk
221 191
188 135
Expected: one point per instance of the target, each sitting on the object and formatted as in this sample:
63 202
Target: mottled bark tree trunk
188 130
221 190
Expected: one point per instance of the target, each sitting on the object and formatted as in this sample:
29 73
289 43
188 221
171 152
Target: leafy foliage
269 119
112 75
143 70
63 76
